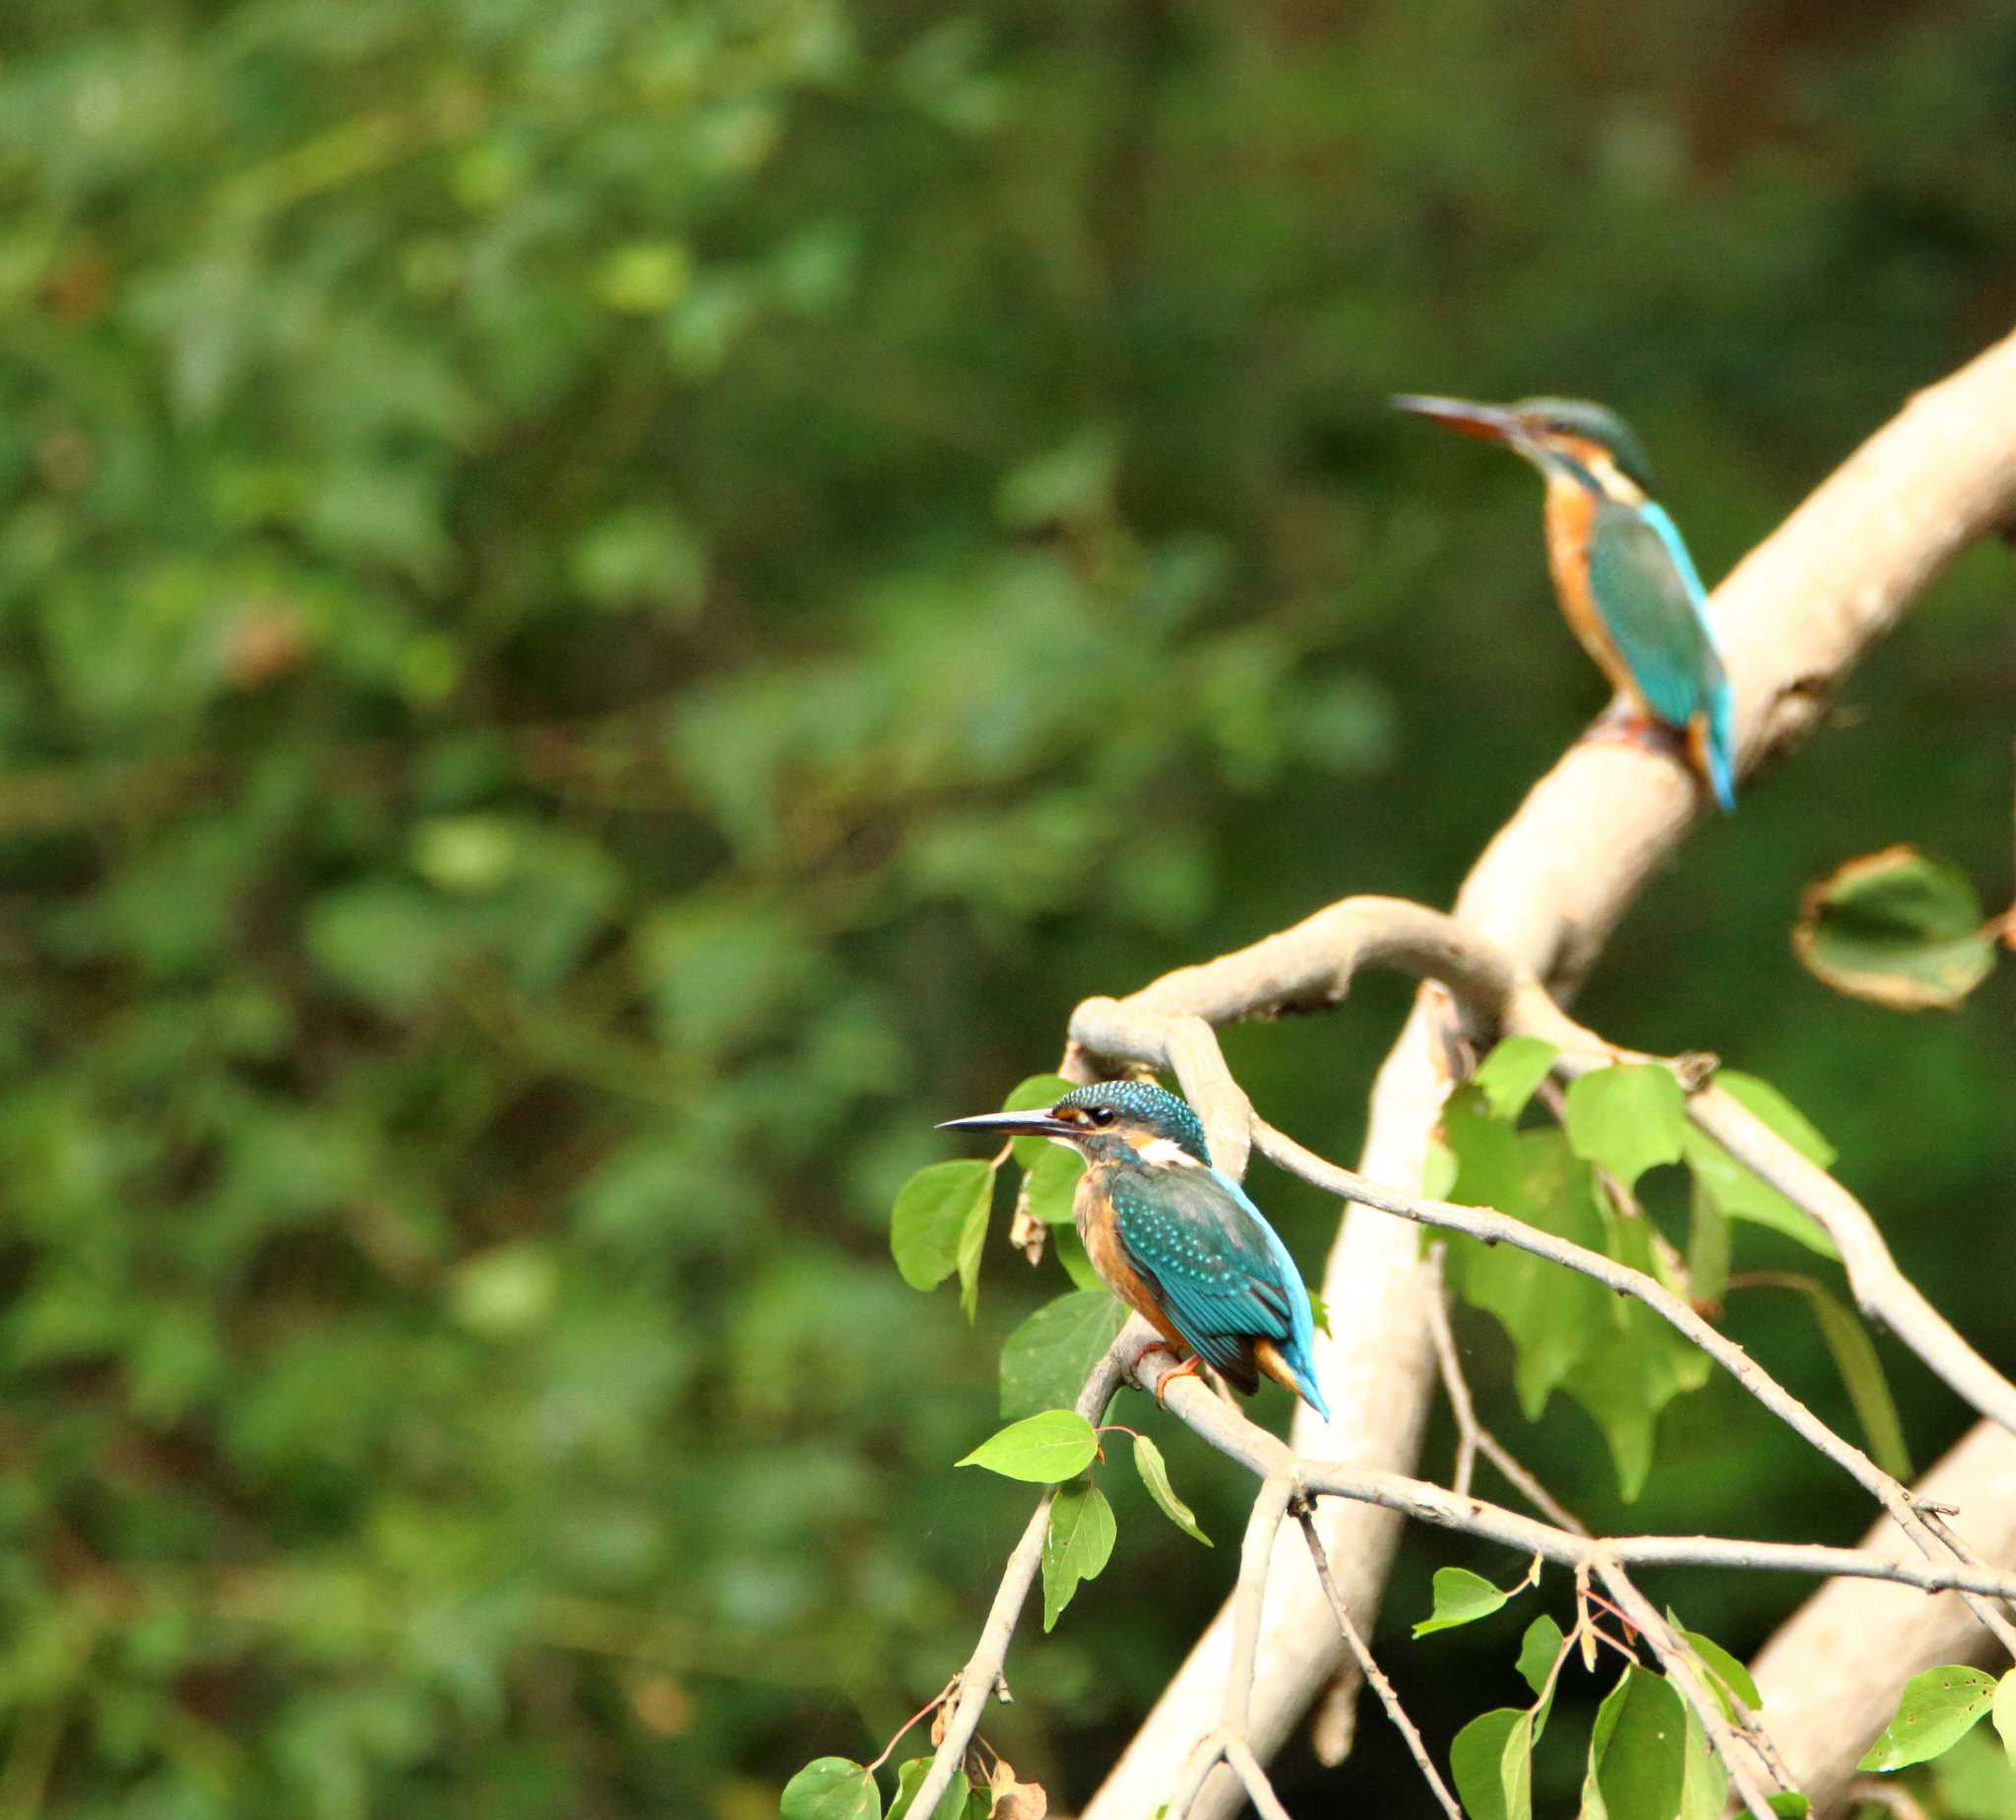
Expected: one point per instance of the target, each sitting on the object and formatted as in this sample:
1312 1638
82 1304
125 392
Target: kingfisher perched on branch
1174 1238
1624 579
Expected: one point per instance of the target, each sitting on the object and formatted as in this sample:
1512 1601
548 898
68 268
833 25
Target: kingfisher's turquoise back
1225 1276
1653 605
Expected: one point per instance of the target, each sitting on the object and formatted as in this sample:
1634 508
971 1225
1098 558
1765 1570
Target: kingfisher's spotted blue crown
1142 1102
1598 423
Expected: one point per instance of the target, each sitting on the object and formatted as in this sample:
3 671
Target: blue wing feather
1652 602
1225 1276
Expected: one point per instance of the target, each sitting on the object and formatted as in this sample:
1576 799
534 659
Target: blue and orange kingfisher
1174 1238
1624 579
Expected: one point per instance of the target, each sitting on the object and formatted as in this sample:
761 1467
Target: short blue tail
1721 745
1313 1397
1295 1355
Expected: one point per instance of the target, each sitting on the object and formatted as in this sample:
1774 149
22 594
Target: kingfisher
1175 1239
1626 584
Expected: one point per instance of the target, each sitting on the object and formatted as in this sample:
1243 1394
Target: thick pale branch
1828 1691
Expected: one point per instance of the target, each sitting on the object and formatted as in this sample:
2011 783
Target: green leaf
1052 1181
1617 1358
1708 1247
1438 1178
1550 1314
1861 1370
1490 1761
1935 1708
1038 1092
1041 1450
1461 1597
973 1239
390 945
831 1789
1765 1102
1515 1769
1637 1750
1974 1779
1046 1361
1077 1263
910 1778
641 556
1897 929
1538 1650
643 277
1627 1119
1635 1364
934 1213
1511 1074
1070 485
1789 1804
1736 1193
1155 1475
1722 1667
2005 1714
1077 1544
1704 1778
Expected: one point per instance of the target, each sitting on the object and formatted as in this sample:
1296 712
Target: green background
606 611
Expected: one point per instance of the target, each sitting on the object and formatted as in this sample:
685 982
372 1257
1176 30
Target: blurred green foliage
608 609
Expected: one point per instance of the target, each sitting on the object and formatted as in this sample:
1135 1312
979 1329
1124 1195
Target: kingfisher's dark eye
1101 1115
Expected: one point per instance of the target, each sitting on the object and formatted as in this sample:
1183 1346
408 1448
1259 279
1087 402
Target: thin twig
1375 1677
1228 1742
1674 1655
1471 1436
1877 1792
1454 1385
1240 1754
983 1671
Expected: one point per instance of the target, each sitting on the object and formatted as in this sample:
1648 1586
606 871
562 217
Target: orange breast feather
1569 516
1094 1209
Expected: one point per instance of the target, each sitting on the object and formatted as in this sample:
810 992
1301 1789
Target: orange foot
1630 726
1187 1369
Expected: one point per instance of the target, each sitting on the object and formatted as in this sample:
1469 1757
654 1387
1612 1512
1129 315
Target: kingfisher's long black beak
1031 1124
1493 422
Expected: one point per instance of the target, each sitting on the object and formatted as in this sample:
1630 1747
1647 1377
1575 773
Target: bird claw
1187 1369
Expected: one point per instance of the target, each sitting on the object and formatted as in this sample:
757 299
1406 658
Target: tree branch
1473 1437
1370 1669
1791 620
